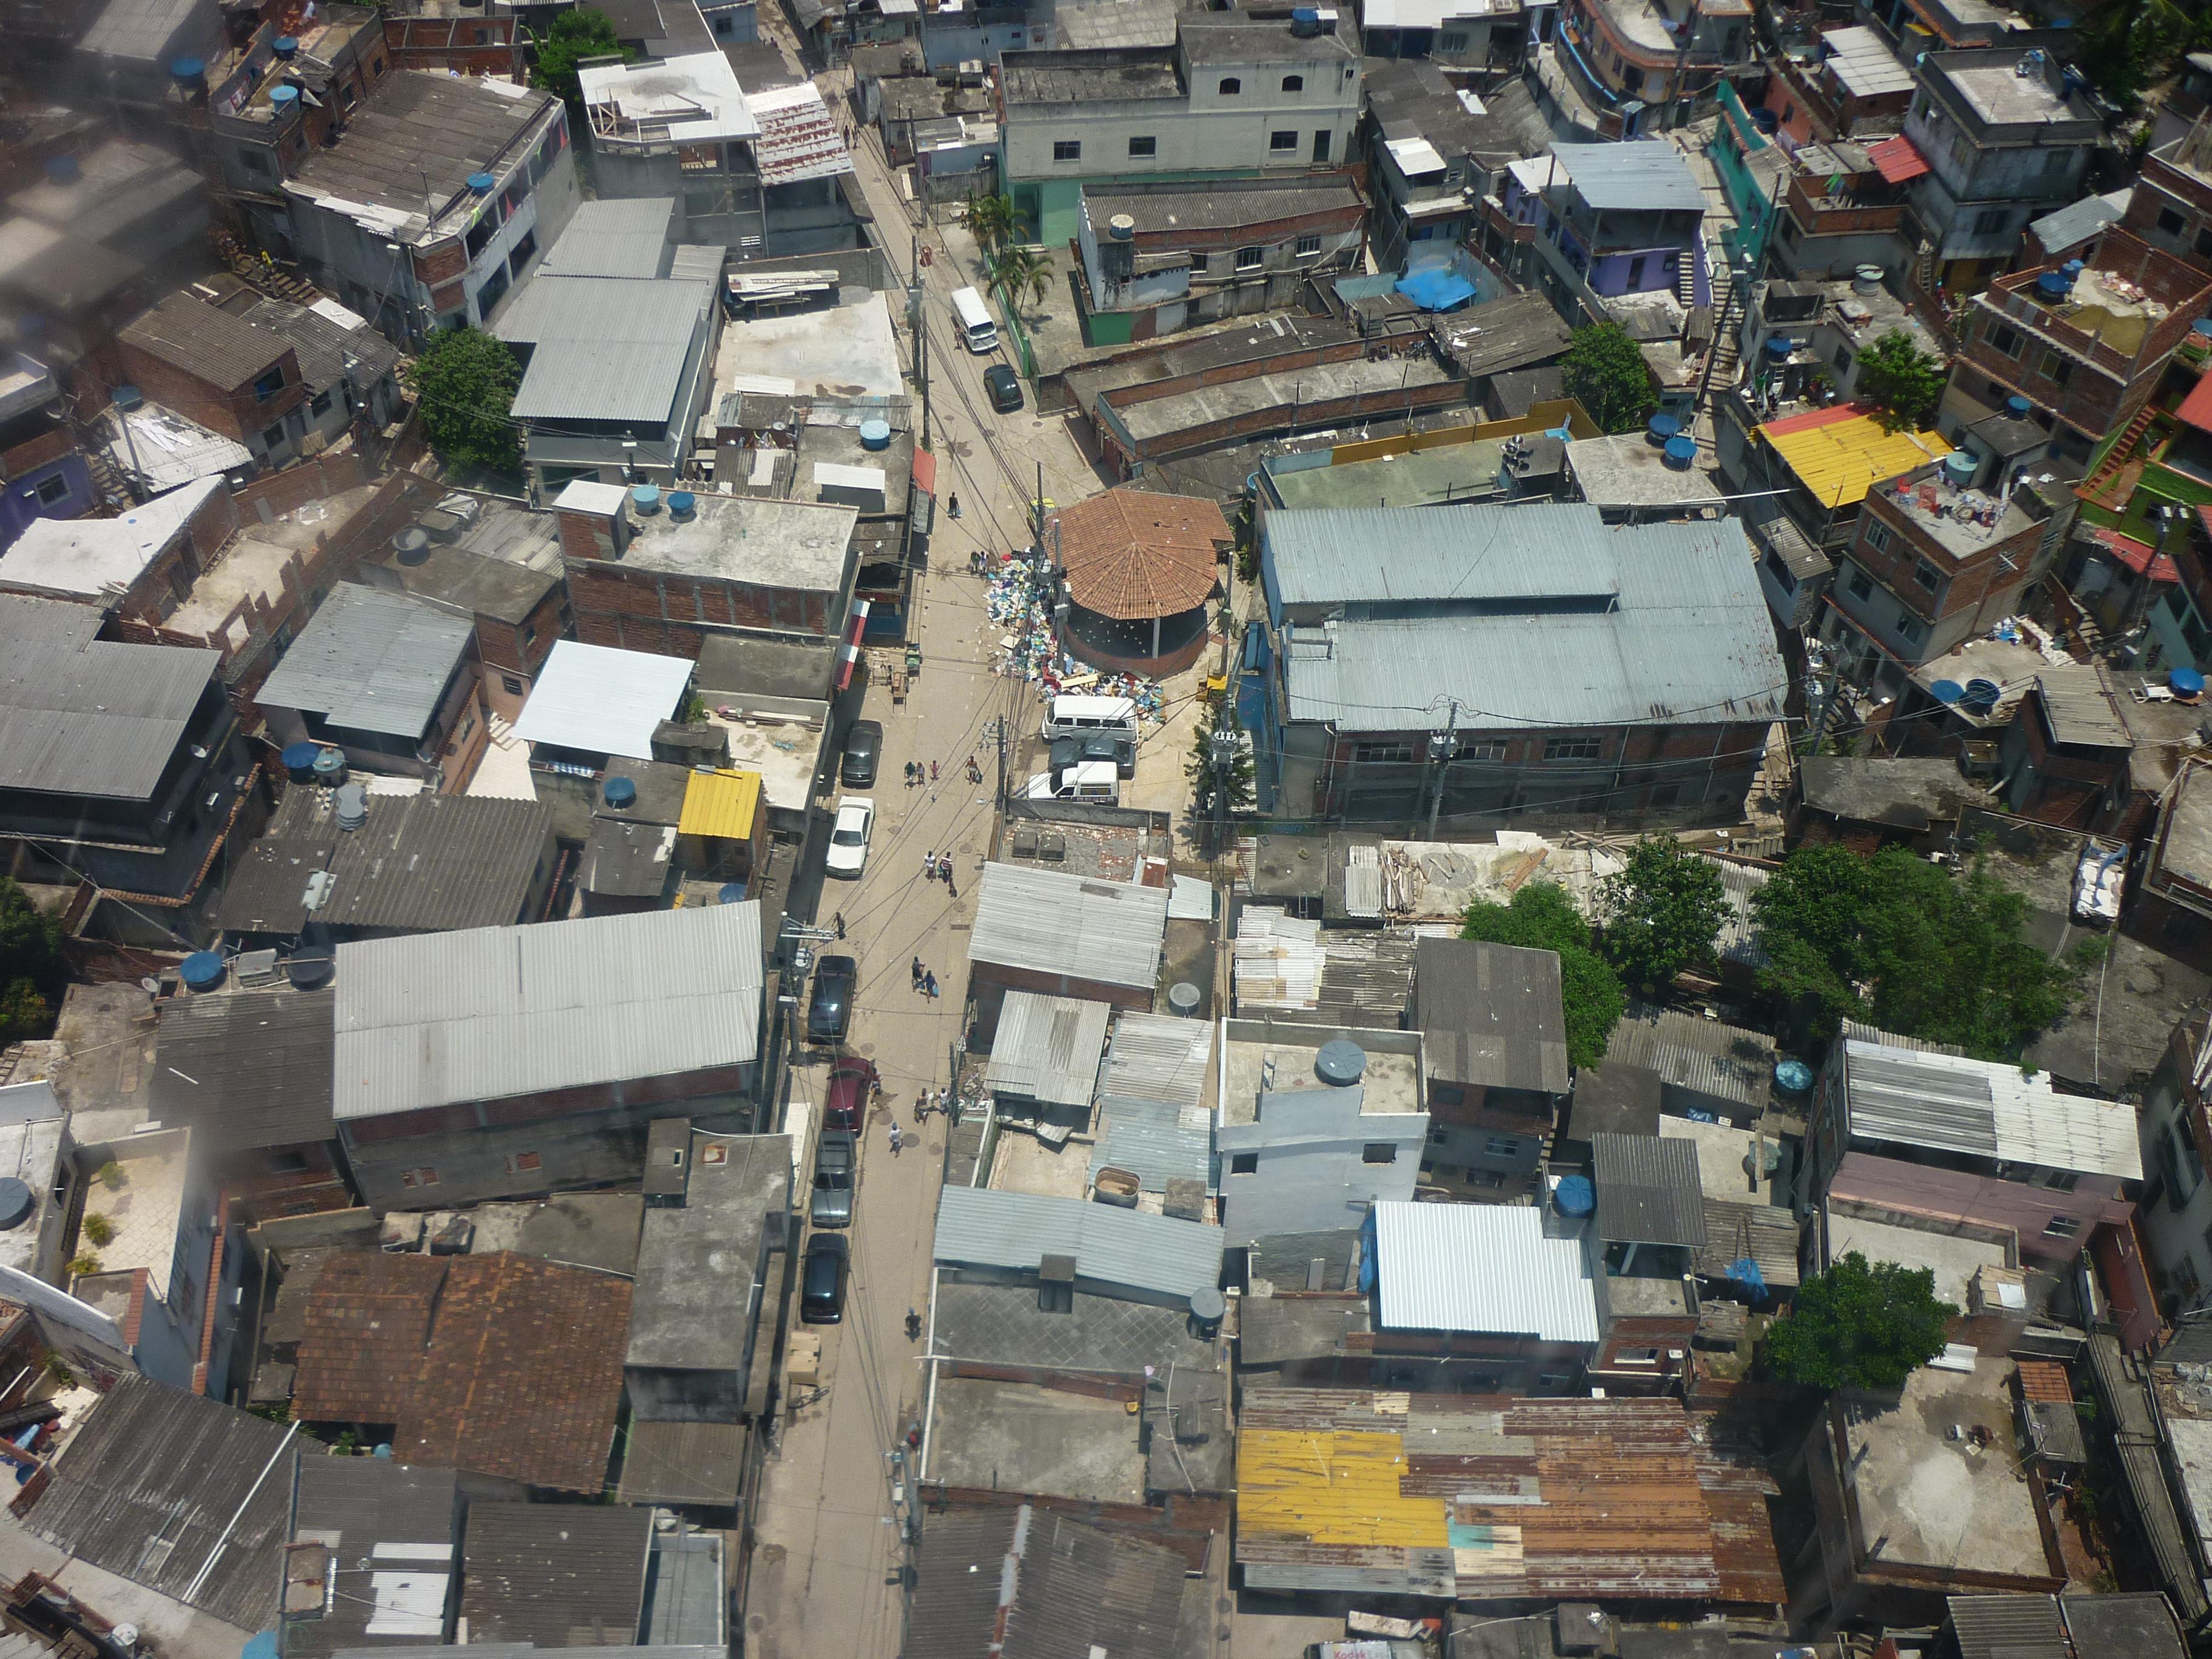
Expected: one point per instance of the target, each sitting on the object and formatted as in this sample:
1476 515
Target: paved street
825 1572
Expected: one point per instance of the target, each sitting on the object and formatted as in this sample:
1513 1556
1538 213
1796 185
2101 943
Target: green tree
1541 917
1859 1325
1903 944
1016 269
995 222
1606 373
1905 380
1663 912
31 967
465 381
1209 785
574 35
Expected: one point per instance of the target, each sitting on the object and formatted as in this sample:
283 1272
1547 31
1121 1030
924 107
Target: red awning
925 471
848 653
1897 159
2138 557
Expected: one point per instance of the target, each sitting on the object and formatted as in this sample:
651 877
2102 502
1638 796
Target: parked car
829 1009
821 1279
836 1168
1084 781
1005 387
1096 746
852 1080
848 836
864 751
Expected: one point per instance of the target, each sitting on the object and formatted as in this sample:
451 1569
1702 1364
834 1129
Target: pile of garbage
1018 604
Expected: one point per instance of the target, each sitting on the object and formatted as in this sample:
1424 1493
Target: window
2171 223
2204 242
1989 221
1145 146
523 1163
1320 144
1437 1137
1251 259
1665 794
1230 86
1244 1164
2002 338
423 1178
1928 576
1502 1147
511 684
1781 572
270 384
1308 246
1280 143
1383 754
525 245
272 437
1911 630
1570 749
2059 1181
1861 585
1842 359
321 406
1452 40
481 233
1294 83
288 1164
2062 1226
1636 1357
1067 149
724 23
1492 749
1379 1152
2056 368
1877 536
52 490
2054 161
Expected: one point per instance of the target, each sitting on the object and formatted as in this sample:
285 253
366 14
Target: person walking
951 892
897 1141
929 865
933 773
917 973
952 500
929 986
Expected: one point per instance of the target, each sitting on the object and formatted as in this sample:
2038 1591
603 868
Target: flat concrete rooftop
1954 1261
1015 1436
1205 405
1424 478
795 545
1392 1081
839 351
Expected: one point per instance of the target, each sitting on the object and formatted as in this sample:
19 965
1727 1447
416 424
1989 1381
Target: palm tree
994 219
1015 269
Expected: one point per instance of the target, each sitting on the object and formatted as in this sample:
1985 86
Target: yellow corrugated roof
1333 1487
1840 461
721 804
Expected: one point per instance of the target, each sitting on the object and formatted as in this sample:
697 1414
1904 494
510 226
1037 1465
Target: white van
1079 717
1084 781
977 331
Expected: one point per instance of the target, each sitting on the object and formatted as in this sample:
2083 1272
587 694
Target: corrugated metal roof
605 348
80 715
330 350
1840 453
622 237
371 661
598 699
1029 1583
1645 175
144 30
245 1070
1403 556
1679 631
720 805
1648 1190
390 1529
1767 1233
689 261
1158 1057
2065 230
1704 1056
1479 1268
187 333
1130 1249
159 1485
2009 1628
434 1018
798 139
701 1463
1153 1143
2080 706
559 1575
1739 936
1986 1109
1046 1049
1047 922
1491 1014
1276 960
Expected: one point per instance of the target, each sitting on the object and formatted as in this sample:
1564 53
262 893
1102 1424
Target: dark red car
852 1080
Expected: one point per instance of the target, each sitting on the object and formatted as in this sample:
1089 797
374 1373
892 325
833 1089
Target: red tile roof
2044 1381
1815 418
1898 159
1131 555
502 1364
2138 557
2197 408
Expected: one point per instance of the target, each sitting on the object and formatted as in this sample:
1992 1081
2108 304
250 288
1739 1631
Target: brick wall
652 611
235 412
438 44
1972 580
309 481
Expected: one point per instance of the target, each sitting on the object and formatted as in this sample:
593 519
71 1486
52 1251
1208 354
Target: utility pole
1442 745
1221 754
922 369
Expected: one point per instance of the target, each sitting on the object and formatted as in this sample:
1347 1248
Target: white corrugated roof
1278 960
1479 1268
1046 1049
1987 1108
1416 157
695 98
1128 1249
602 701
489 1013
1051 922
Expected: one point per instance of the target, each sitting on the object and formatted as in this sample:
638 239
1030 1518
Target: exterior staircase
107 479
2117 457
278 281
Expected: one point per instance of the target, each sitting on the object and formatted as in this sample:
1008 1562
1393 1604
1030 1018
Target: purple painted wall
20 504
1950 1195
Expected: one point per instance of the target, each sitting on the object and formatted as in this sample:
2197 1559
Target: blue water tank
1946 690
1960 467
1792 1076
190 73
16 1202
480 184
284 99
2051 285
1778 346
1980 696
287 46
620 792
2017 405
645 501
1660 427
1574 1196
299 760
1680 451
125 398
2073 268
330 766
2203 325
202 970
875 434
733 892
683 505
2185 683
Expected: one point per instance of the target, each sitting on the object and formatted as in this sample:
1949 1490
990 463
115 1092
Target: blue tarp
1437 289
1746 1272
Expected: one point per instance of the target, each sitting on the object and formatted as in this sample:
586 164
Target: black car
829 1010
1094 746
821 1279
1004 389
864 749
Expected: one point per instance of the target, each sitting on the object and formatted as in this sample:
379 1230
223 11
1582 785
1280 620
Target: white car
849 839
